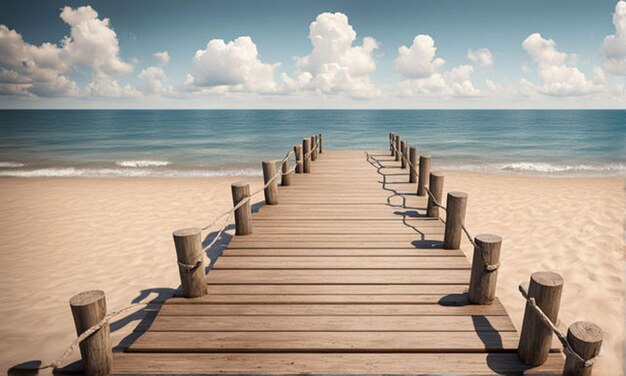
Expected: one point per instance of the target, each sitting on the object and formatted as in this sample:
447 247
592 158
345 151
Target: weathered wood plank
315 251
387 289
370 341
327 364
453 276
495 309
332 323
316 262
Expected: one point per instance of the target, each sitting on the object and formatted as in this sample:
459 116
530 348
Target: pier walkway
346 275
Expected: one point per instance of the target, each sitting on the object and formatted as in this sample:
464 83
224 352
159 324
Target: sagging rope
567 347
231 213
87 333
486 265
403 156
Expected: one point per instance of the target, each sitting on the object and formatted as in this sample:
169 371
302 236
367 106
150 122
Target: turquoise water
233 142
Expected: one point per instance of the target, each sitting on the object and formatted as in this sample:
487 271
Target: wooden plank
379 252
453 276
387 289
429 242
293 342
495 309
317 262
454 299
327 364
332 323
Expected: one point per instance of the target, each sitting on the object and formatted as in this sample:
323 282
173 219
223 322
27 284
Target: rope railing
86 334
187 267
487 266
567 347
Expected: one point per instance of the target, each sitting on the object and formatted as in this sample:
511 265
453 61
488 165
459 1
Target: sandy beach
62 236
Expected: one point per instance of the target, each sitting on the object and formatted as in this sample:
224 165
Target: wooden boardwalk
345 276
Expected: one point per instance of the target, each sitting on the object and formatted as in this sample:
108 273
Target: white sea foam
124 172
142 163
11 165
546 169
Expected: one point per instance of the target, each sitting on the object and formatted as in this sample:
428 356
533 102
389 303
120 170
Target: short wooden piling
314 148
413 164
297 150
88 309
285 181
319 140
271 191
188 243
243 215
435 186
398 141
536 337
424 172
455 217
391 140
482 288
403 156
306 150
586 340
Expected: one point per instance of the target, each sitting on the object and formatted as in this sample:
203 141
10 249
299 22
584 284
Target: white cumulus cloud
335 66
43 70
419 67
235 64
558 77
481 57
163 56
152 81
615 45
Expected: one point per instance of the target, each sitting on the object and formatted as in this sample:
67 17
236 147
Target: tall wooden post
313 147
586 340
455 217
271 191
243 215
391 143
536 337
403 156
306 150
423 175
88 309
188 245
482 288
398 151
413 164
286 175
297 150
435 185
319 139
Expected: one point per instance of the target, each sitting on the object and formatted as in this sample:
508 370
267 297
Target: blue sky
567 64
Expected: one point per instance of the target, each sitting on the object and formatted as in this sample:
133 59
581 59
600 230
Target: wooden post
536 337
188 245
435 185
306 150
413 160
286 177
271 191
403 156
398 148
243 215
482 288
455 217
88 309
313 145
392 140
298 152
319 139
424 172
586 340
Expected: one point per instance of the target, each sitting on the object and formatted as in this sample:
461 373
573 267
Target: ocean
188 143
